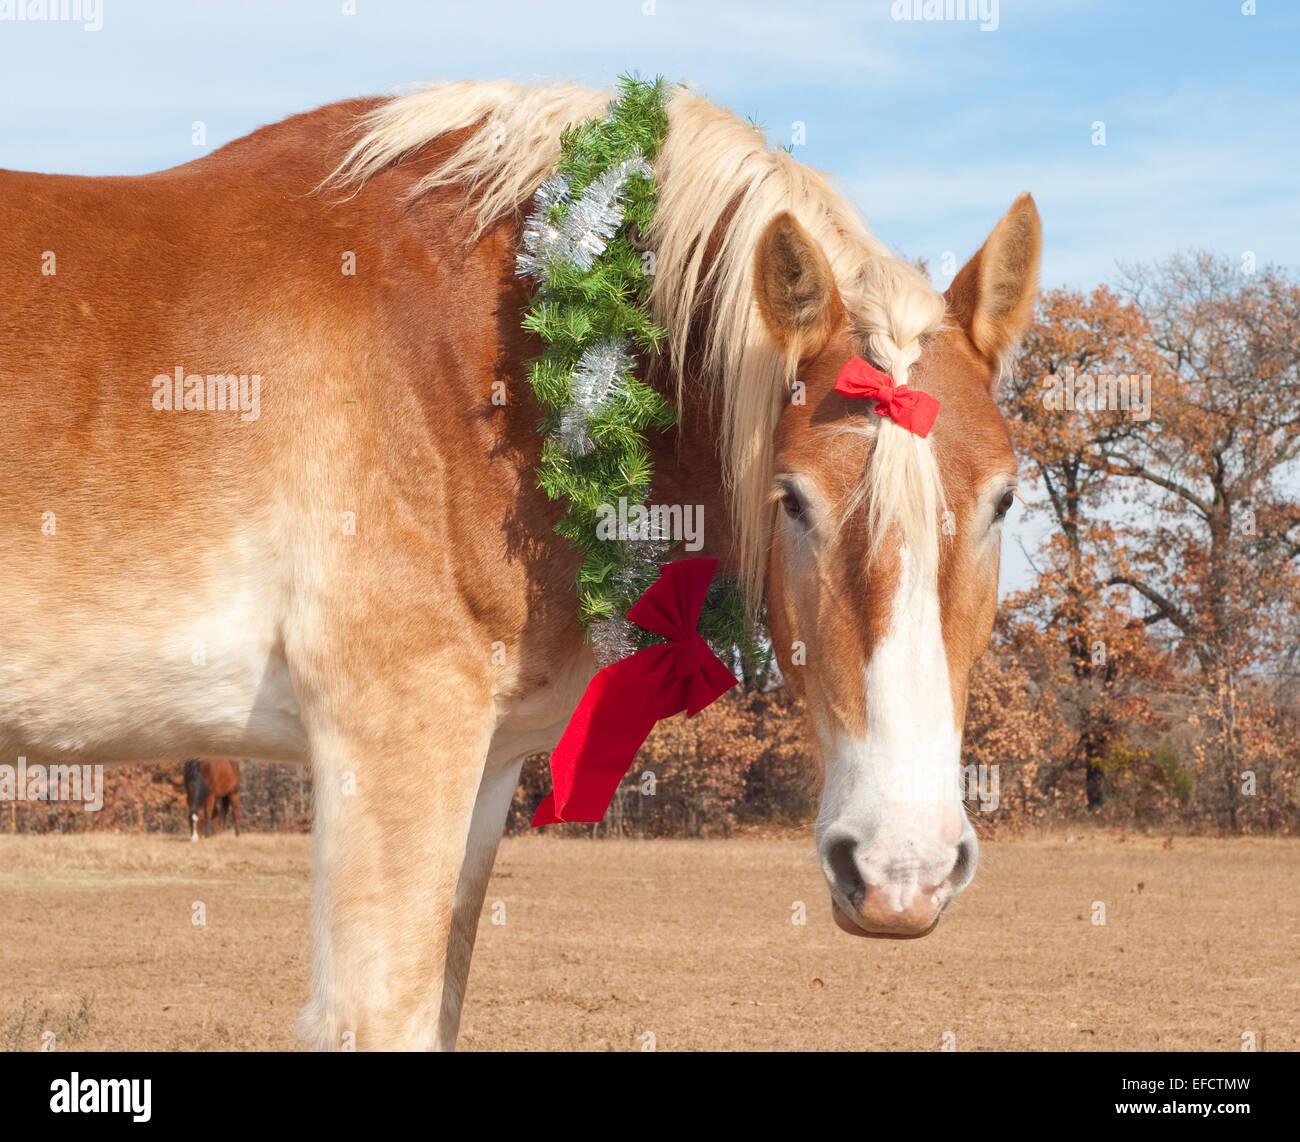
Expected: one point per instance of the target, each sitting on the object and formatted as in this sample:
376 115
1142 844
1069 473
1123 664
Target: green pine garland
579 308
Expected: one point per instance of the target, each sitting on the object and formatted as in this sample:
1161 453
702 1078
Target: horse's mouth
849 923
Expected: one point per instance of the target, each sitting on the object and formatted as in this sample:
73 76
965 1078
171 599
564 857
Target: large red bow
910 408
623 701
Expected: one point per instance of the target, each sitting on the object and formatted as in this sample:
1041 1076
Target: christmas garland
591 313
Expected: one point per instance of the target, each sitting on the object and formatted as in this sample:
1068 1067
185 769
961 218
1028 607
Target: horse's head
883 567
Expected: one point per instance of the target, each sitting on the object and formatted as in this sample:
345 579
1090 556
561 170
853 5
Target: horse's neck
688 470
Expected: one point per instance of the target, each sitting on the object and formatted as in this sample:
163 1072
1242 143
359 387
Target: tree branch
1164 608
1141 473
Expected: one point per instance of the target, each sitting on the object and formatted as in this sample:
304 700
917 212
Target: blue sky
932 126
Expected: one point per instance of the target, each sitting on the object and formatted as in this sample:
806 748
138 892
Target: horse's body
330 580
211 787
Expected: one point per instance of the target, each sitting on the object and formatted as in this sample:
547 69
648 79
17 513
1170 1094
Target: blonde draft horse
351 549
211 787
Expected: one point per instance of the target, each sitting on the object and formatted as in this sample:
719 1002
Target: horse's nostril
968 855
842 865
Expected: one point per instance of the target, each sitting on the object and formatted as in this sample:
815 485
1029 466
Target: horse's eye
792 505
1004 505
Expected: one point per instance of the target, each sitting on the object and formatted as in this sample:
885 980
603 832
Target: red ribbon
623 701
910 408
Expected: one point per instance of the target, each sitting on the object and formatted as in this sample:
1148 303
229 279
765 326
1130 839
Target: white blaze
900 784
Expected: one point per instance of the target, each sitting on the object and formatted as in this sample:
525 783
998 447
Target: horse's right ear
796 289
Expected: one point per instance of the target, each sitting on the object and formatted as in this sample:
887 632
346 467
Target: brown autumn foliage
1169 582
1148 674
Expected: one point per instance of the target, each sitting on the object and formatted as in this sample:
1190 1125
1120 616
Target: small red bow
623 701
909 408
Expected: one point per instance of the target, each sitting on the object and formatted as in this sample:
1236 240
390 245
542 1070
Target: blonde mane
717 178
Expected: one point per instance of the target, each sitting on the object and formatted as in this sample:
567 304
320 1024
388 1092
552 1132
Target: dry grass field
690 941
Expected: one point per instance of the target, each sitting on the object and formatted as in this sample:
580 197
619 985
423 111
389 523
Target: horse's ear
992 297
796 289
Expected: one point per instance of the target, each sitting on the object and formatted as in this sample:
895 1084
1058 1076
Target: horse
351 564
211 786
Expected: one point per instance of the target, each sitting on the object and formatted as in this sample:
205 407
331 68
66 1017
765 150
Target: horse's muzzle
901 898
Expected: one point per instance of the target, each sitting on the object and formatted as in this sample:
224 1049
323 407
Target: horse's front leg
500 777
535 727
396 768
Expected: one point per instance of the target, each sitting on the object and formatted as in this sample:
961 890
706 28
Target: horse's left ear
992 297
796 288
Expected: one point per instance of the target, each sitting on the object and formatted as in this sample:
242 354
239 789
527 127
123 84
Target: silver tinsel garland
591 221
597 381
542 238
615 638
579 238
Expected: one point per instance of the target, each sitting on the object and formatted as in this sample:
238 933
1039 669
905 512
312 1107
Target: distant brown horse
210 785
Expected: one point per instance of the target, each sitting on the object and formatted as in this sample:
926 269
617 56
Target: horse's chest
533 721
